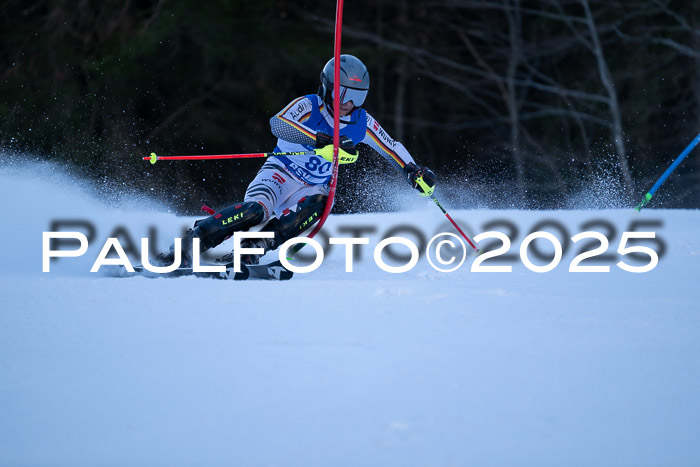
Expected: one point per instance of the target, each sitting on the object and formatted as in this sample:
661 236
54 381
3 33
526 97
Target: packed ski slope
422 368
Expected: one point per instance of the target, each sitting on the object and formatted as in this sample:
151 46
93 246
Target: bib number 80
316 164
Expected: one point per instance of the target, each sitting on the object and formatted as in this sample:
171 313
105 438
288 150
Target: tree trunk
400 108
512 11
695 24
613 104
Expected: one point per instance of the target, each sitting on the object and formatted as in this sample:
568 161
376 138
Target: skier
288 194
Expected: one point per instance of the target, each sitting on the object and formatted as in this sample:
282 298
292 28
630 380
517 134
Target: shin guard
219 226
294 222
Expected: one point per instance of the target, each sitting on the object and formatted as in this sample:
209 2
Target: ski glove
323 139
421 178
347 154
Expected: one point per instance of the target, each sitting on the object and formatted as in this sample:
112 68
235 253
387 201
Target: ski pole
668 172
154 158
429 190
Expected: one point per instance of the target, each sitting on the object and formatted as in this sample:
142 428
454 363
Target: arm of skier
288 124
395 152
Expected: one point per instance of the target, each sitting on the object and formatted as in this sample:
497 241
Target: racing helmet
354 81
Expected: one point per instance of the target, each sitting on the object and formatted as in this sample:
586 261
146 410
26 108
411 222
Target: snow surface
335 368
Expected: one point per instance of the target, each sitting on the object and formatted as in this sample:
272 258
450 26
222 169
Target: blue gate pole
668 172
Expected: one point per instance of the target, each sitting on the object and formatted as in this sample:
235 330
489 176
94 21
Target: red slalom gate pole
336 127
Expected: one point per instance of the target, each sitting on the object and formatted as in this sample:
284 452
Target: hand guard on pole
421 178
347 153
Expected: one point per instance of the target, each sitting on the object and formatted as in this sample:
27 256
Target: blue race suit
296 127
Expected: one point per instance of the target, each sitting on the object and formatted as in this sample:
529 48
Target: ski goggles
357 96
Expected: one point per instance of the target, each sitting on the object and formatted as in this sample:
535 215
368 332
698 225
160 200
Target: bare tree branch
327 25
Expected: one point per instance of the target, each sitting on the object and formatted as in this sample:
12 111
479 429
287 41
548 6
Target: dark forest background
525 102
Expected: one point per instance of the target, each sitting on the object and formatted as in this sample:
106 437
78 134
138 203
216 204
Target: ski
270 271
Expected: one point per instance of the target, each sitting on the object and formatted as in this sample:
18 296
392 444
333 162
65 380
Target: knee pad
221 225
